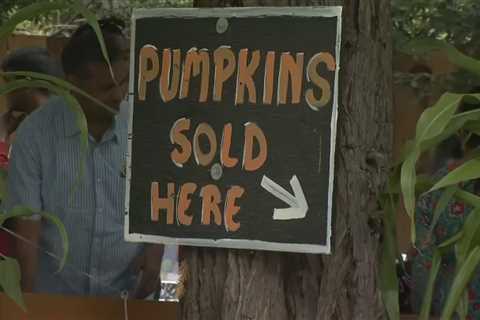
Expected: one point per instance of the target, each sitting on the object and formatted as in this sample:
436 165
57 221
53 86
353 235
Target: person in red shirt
20 103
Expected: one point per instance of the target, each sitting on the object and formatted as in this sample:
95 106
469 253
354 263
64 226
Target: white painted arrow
298 204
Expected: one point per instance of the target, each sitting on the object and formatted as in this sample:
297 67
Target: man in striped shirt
47 157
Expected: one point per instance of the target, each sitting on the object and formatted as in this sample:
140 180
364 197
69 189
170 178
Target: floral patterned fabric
449 223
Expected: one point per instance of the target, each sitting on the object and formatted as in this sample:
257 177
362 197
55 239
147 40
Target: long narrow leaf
471 238
27 13
434 119
442 203
3 184
424 46
468 197
24 211
457 122
460 282
41 8
388 275
60 83
468 171
92 21
63 234
427 297
71 101
407 182
10 281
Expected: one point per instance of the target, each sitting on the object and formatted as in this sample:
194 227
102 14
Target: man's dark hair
32 60
84 48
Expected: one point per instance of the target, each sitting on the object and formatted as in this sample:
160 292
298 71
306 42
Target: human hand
148 266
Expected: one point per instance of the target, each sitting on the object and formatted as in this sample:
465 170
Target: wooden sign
232 134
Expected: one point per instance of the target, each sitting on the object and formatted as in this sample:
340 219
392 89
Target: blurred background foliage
64 21
454 21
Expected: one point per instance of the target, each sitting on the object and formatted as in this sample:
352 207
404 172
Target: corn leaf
3 184
388 279
65 85
71 101
407 183
442 203
471 236
460 282
432 276
92 21
468 171
23 211
433 120
10 280
27 13
39 9
468 197
425 46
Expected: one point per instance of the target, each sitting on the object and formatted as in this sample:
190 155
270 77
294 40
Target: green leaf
433 120
63 234
432 276
16 212
71 102
407 183
457 122
445 245
442 203
27 13
425 46
65 85
467 171
471 236
388 279
24 211
468 197
10 280
460 282
3 184
38 9
92 21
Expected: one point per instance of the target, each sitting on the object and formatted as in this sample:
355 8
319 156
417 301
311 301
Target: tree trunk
235 284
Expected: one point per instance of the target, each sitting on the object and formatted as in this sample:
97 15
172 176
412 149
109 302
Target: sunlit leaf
10 280
460 282
468 197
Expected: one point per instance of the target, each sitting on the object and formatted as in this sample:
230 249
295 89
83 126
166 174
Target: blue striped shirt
43 174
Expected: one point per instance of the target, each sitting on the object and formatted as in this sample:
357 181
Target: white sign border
333 11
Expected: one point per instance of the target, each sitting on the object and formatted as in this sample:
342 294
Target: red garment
6 240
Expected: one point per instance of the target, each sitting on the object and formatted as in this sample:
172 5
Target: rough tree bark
234 285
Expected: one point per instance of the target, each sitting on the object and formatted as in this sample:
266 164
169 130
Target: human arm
148 266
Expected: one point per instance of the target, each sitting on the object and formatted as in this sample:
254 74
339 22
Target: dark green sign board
233 125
